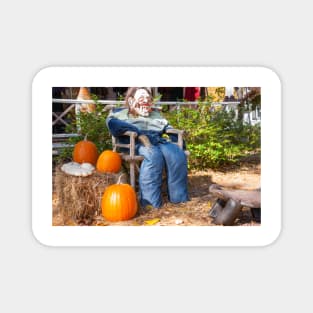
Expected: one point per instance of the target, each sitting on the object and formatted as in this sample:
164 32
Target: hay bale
79 198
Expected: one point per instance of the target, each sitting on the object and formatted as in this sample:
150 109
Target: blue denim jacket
153 126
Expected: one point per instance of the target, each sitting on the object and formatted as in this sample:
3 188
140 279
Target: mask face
141 103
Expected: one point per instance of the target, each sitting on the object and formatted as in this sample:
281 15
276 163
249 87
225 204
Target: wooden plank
59 117
59 145
64 136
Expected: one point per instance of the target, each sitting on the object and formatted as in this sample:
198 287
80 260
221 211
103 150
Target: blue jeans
173 159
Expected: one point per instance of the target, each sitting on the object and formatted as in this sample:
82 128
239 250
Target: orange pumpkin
109 161
119 202
85 151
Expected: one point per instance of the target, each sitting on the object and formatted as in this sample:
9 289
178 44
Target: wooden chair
133 159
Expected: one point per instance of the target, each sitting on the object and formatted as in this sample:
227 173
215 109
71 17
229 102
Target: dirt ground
247 175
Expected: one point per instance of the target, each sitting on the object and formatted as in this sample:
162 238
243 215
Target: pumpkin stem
86 137
121 174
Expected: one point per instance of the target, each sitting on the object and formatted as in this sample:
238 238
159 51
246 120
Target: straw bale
79 198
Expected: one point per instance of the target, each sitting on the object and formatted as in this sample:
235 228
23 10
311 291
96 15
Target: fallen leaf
152 222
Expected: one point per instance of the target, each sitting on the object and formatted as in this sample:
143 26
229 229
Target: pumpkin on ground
119 202
109 161
85 151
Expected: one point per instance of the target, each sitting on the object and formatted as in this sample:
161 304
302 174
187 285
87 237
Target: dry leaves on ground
193 212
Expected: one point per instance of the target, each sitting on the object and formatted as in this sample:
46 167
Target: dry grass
78 199
191 213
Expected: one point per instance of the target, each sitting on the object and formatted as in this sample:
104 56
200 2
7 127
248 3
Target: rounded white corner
39 239
272 74
42 74
273 238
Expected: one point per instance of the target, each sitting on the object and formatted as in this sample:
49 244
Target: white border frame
50 235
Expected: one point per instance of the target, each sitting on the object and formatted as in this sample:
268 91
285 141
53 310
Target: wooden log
247 198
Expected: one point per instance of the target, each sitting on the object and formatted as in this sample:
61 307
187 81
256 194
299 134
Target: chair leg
132 174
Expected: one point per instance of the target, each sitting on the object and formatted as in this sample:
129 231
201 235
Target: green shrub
214 137
91 125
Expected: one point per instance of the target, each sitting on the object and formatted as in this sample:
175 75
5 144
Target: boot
217 208
229 213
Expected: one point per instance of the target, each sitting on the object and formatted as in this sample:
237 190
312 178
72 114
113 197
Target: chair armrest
179 134
130 134
131 146
174 131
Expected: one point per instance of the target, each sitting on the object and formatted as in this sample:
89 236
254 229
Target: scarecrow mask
141 103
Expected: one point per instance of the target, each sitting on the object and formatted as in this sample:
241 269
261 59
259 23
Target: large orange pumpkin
119 202
109 161
85 151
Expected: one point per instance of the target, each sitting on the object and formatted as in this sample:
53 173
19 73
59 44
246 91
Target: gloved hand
145 141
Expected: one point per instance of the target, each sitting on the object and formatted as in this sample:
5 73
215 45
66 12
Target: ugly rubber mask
141 103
